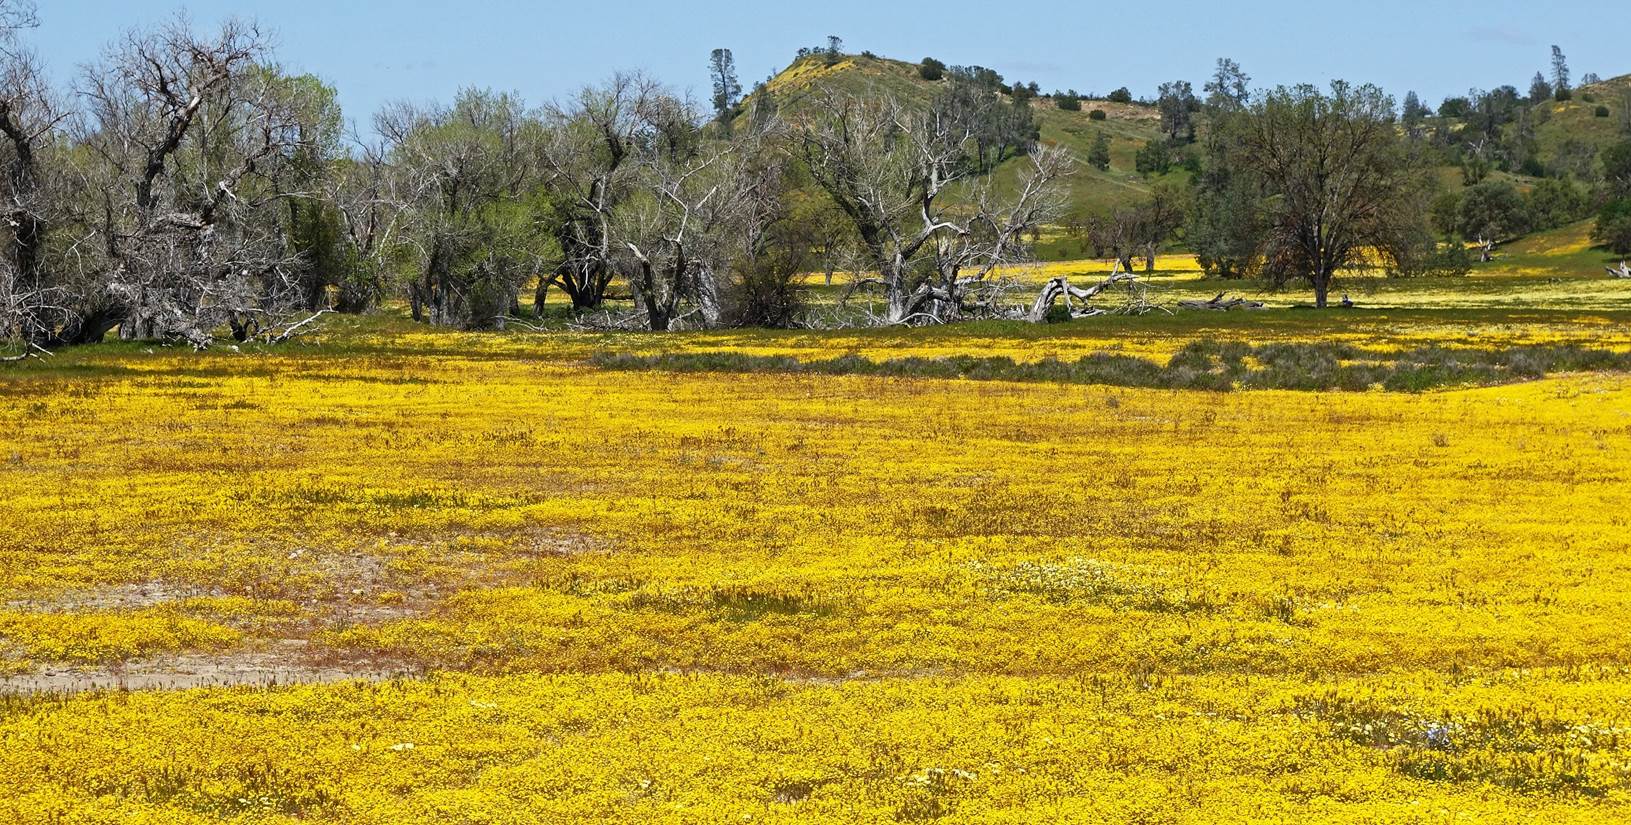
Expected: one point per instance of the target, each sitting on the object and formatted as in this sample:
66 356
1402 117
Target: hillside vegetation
1129 126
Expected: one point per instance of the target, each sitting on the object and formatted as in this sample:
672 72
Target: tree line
185 187
1245 201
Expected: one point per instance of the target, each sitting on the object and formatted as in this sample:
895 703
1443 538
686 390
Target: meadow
390 574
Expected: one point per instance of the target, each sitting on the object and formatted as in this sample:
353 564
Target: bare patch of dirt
133 596
393 578
287 662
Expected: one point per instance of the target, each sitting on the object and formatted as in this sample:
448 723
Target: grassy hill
1128 125
1577 119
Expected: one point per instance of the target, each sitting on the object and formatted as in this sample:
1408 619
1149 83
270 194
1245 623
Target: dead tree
1076 299
699 203
28 118
190 134
589 160
365 192
1220 304
889 170
1118 235
1156 220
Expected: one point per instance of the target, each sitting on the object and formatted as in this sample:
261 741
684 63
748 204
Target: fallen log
1220 305
1623 272
1061 287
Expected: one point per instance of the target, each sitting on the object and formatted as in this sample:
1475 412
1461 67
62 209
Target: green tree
1492 211
998 128
1553 203
1616 164
1613 228
835 49
1444 215
1224 227
1121 95
475 226
727 89
1099 155
1414 112
1229 90
931 69
1560 75
1177 104
1454 107
1539 89
1344 188
1154 158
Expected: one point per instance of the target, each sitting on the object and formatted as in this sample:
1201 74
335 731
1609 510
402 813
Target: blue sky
379 50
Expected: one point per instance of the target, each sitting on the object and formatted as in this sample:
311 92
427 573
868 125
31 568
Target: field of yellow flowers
398 575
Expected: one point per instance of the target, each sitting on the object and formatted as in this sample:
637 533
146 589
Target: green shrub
1096 114
1613 229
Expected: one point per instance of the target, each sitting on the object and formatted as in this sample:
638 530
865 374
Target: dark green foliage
1178 106
1617 169
1224 227
1068 102
1454 107
1201 365
1155 158
1444 215
1553 203
1493 210
1474 168
1000 128
1539 89
1229 90
1096 114
931 69
1560 75
1430 259
317 239
1099 155
835 49
1414 112
1121 95
1613 229
1601 111
727 89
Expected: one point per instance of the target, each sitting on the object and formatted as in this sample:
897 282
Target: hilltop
1127 125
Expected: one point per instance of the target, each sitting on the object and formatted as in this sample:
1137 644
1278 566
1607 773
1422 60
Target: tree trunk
539 295
1322 288
135 327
